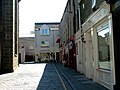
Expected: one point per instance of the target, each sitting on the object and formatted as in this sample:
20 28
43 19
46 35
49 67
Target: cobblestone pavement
25 77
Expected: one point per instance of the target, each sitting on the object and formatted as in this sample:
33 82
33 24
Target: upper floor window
93 3
44 31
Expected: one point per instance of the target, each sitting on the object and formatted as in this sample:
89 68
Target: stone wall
9 58
86 8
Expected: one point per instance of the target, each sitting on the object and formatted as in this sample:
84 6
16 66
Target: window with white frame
104 46
44 31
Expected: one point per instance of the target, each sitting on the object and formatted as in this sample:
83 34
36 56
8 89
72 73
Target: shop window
104 46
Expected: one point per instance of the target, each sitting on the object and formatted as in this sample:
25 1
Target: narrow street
46 76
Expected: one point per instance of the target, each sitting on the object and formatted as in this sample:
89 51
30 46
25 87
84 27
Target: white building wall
22 52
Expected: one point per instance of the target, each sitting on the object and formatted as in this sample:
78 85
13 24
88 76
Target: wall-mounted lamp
22 46
82 38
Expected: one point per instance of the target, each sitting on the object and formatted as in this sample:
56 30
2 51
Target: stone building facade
26 49
68 28
9 35
95 27
46 47
97 42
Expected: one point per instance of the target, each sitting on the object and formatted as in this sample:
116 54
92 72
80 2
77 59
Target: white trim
93 3
96 17
112 52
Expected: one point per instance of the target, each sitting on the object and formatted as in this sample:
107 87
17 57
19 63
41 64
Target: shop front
72 52
98 39
79 54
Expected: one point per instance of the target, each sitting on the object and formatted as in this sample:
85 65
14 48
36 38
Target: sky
32 11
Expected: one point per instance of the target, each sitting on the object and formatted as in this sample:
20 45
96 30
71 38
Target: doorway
19 58
57 56
116 36
0 57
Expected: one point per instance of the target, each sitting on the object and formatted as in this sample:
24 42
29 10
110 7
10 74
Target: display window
104 46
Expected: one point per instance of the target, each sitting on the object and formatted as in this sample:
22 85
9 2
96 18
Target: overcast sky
32 11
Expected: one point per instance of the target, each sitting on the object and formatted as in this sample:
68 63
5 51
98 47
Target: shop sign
98 15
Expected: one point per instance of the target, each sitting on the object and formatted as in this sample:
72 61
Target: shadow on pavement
50 79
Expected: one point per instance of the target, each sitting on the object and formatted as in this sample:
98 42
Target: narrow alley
46 76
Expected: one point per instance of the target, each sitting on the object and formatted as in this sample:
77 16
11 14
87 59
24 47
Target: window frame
44 31
100 29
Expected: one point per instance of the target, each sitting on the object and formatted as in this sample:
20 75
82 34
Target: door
116 35
57 56
19 57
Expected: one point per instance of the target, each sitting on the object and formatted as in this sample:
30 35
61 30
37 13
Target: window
93 3
103 46
44 44
54 28
44 32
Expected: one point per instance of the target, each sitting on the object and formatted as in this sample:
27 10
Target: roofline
64 10
41 23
